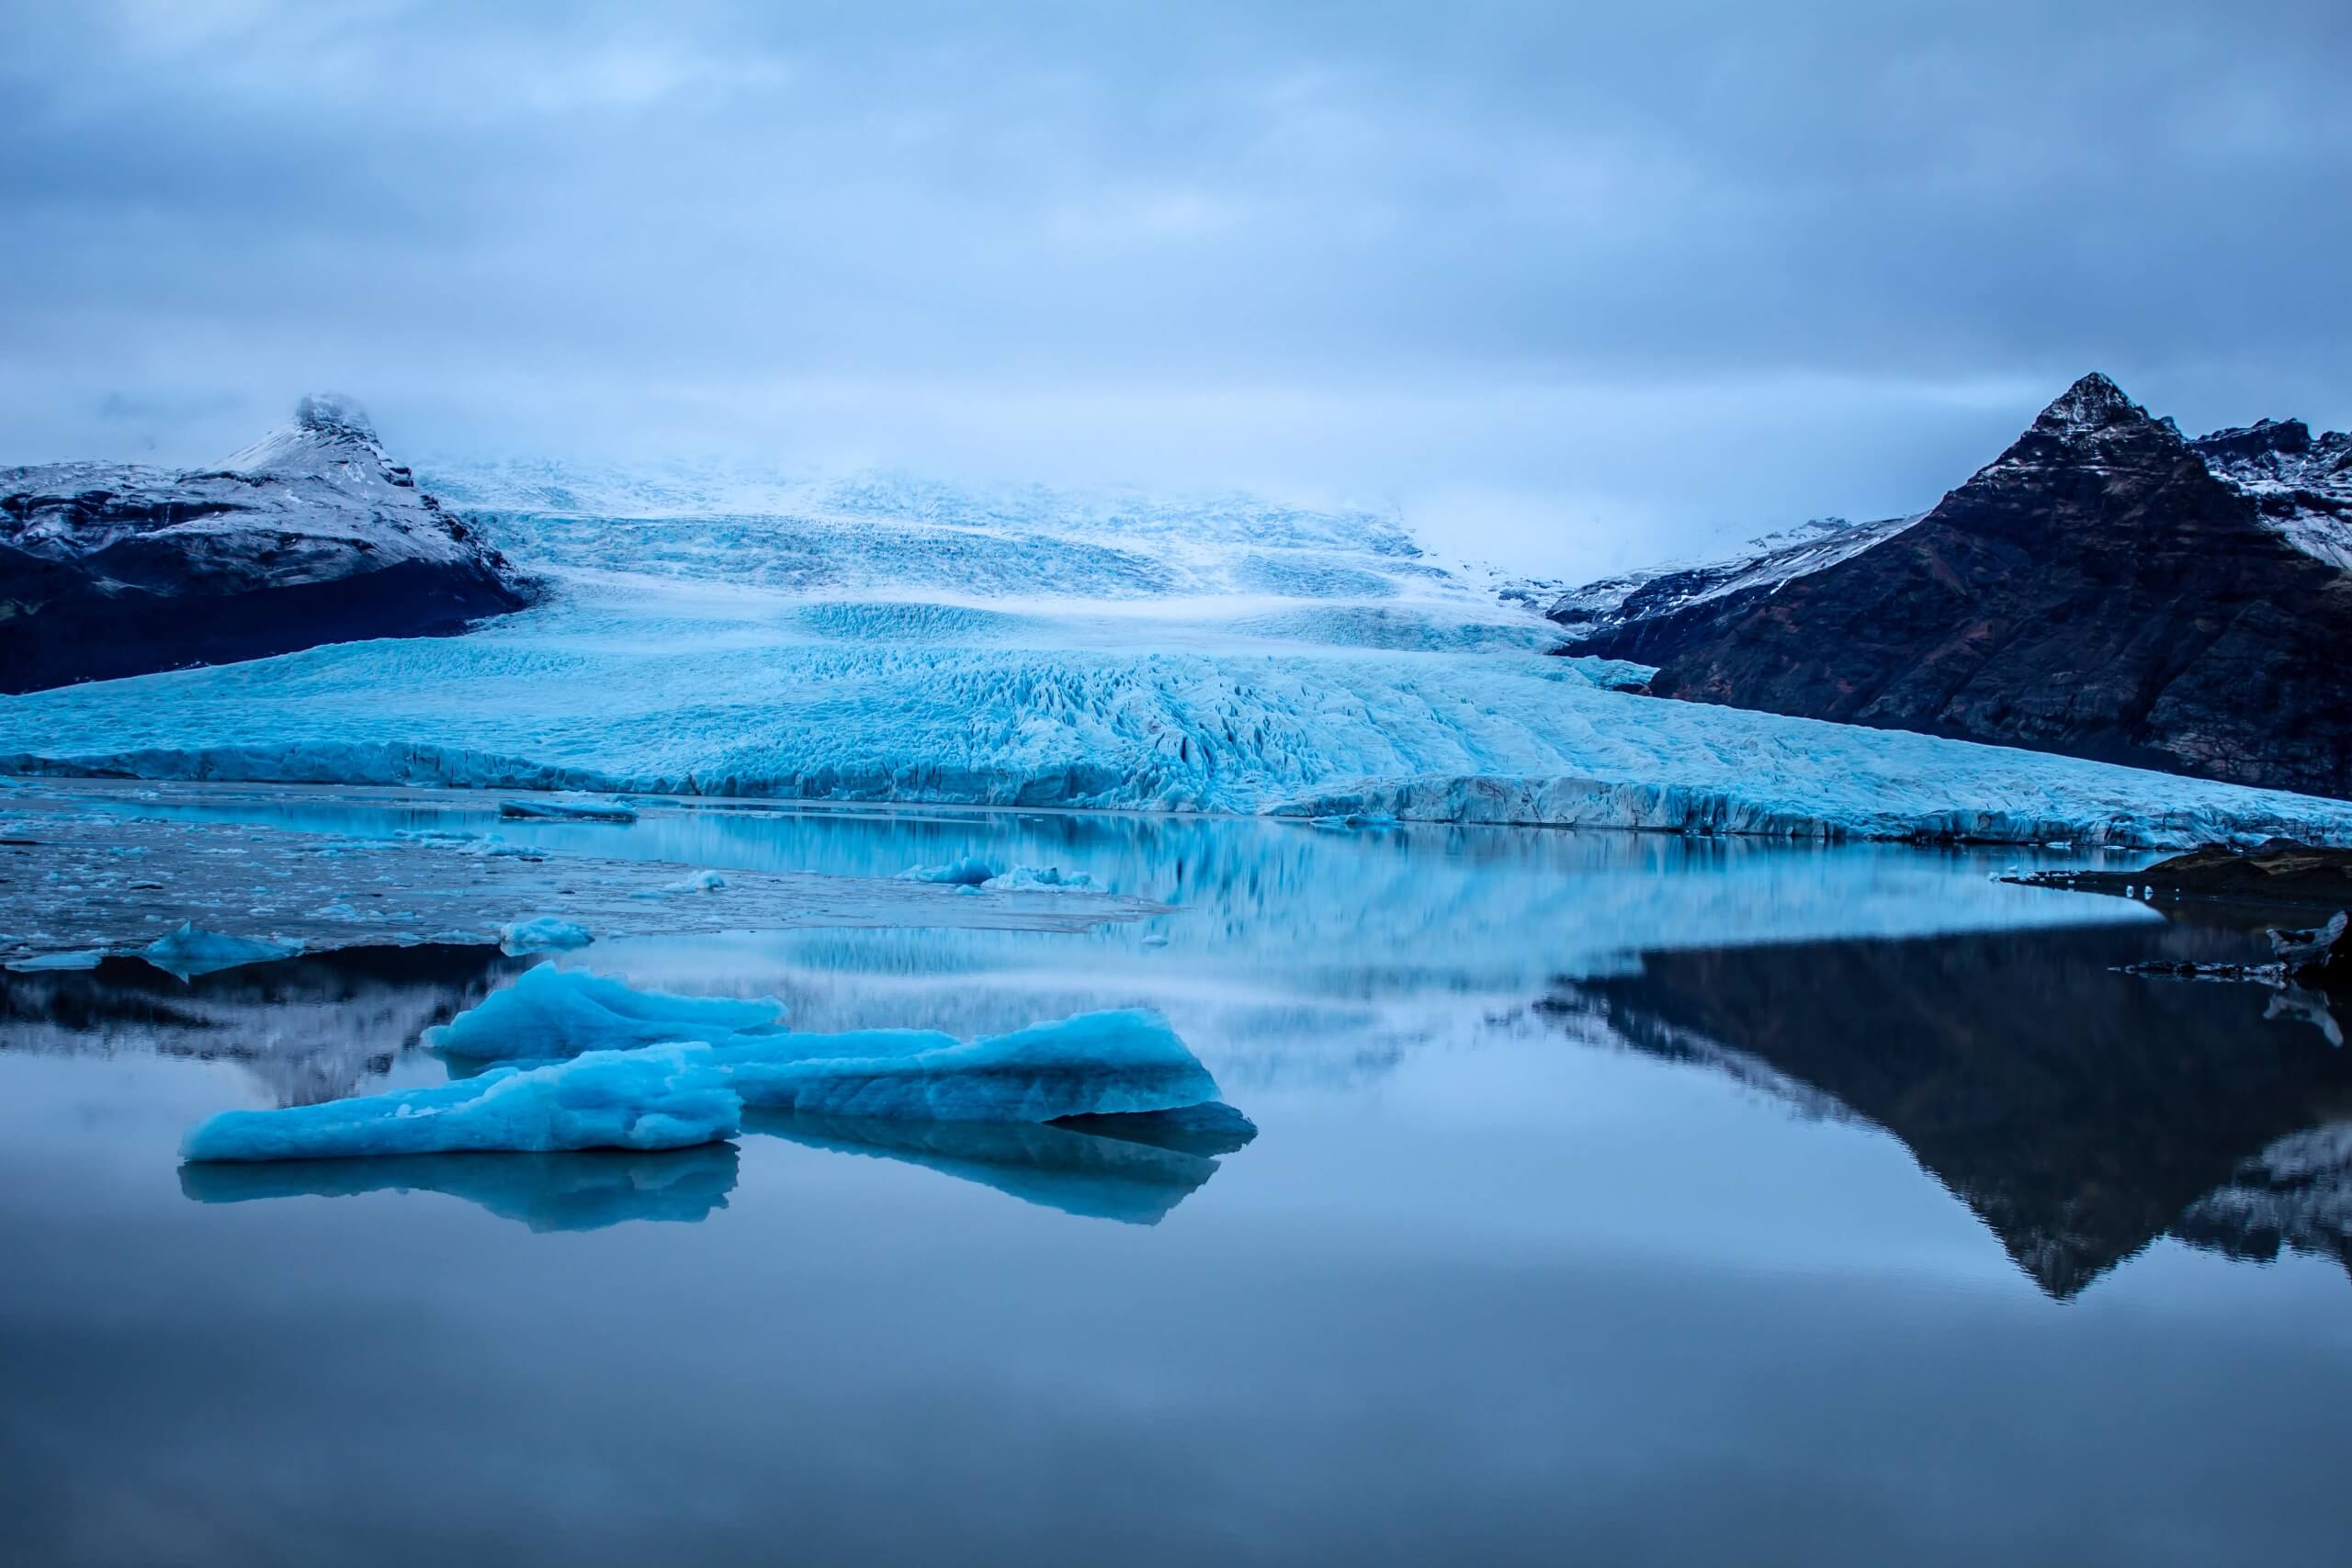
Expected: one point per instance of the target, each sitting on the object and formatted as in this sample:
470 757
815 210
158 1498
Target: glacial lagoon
1633 1197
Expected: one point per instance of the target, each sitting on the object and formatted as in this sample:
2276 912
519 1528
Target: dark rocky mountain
2079 1112
310 536
2104 588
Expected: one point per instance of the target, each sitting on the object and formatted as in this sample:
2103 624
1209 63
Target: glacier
890 641
661 1097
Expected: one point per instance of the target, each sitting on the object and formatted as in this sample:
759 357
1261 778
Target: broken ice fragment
544 934
663 1097
970 872
88 958
551 1013
1091 1065
566 811
191 951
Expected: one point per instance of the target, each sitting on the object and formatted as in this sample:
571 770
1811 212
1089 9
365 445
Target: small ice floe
1157 939
191 951
663 1097
566 811
677 1094
970 872
550 1012
1045 879
700 882
88 958
546 933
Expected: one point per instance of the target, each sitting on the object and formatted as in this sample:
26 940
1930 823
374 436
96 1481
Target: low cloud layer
1574 287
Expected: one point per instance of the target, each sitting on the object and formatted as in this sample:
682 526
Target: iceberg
551 1013
1051 879
970 872
571 1191
544 934
190 951
1094 1063
662 1096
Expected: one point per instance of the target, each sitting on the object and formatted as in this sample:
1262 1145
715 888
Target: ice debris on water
661 1097
190 951
970 872
551 1012
700 882
566 810
87 958
547 934
1047 879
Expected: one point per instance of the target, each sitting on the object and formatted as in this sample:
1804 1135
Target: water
1614 1199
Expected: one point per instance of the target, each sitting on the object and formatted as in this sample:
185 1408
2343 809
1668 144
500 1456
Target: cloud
1660 269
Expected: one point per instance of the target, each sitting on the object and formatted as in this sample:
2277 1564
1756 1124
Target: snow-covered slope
2301 483
1656 595
891 640
310 534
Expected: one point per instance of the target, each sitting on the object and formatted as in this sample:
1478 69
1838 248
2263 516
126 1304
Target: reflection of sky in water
1478 1290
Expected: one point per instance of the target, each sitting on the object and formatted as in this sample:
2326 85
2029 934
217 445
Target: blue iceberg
544 934
663 1097
191 951
1094 1063
970 872
551 1013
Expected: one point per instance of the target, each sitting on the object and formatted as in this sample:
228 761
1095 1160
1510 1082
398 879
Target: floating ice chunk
191 951
544 934
1049 879
551 1013
970 872
88 958
1090 1064
663 1097
700 882
566 810
569 1191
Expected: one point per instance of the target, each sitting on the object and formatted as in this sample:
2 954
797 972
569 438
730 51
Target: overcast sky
1574 287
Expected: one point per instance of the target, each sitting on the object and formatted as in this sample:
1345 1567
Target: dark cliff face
2101 590
310 535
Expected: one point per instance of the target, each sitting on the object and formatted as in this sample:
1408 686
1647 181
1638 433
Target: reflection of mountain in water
310 1029
582 1191
2081 1114
1134 1168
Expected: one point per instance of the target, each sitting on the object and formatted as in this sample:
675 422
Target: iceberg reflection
1132 1167
574 1191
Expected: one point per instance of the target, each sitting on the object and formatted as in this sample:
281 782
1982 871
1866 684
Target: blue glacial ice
542 933
970 872
551 1013
1093 1065
891 641
189 950
84 958
566 811
662 1096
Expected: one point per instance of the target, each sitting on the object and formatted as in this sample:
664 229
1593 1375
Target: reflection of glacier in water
1292 951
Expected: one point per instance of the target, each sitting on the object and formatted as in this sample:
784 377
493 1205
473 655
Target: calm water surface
1615 1199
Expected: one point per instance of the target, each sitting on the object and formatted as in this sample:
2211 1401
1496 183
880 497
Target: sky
1573 288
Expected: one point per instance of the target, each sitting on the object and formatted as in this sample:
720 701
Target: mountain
2104 588
311 535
